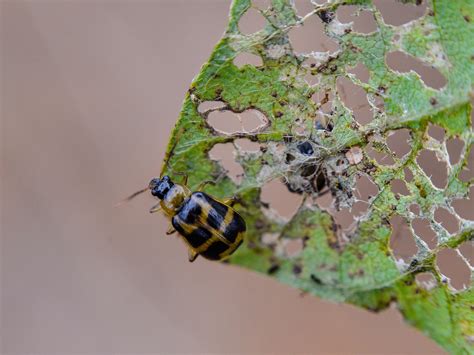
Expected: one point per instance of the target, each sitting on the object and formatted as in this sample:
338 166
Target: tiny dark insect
305 148
210 227
326 16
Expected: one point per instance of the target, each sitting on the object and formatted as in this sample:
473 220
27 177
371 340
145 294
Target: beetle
210 227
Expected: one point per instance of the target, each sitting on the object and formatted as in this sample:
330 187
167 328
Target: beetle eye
161 188
153 183
158 193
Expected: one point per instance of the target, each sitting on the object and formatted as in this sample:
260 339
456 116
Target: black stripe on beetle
214 250
190 211
236 225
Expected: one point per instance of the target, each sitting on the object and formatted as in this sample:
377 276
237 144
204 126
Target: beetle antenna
132 196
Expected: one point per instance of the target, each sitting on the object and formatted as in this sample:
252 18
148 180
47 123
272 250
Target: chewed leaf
319 129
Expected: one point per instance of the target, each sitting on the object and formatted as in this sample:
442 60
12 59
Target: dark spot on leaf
308 170
316 279
274 268
433 101
265 204
326 16
297 269
467 18
305 240
289 158
305 148
413 263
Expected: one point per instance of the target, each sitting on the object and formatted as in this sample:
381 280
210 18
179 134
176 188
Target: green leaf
356 266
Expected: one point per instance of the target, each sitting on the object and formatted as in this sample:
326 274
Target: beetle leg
170 230
231 201
155 208
192 255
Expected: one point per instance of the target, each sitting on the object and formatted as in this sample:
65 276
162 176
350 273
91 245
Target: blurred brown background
90 91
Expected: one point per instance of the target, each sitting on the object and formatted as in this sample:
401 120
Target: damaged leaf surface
317 151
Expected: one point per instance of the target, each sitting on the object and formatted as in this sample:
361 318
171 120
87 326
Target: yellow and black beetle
209 227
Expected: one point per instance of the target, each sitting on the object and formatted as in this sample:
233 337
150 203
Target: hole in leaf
414 208
365 188
435 169
247 145
361 72
262 4
325 201
436 132
454 146
452 266
310 37
228 122
467 251
423 230
359 208
210 105
293 247
303 7
248 59
252 21
399 142
465 207
402 241
408 174
404 63
319 2
399 187
224 154
425 280
362 22
355 98
311 77
344 218
380 157
396 13
379 103
323 99
276 195
467 173
447 220
354 155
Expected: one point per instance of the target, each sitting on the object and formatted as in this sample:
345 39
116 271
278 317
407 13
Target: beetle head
160 187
